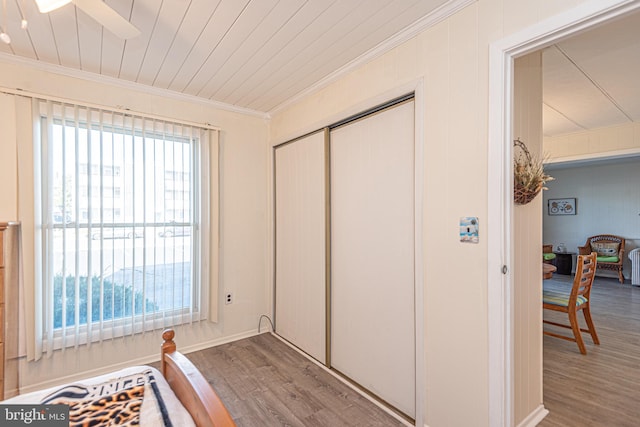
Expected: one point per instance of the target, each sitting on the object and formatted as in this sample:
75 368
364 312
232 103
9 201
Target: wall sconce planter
529 176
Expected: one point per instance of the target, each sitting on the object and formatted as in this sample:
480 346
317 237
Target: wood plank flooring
601 388
264 382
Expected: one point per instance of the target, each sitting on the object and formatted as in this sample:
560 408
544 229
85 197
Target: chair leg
621 277
573 319
592 329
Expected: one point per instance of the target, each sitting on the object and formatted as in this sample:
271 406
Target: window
122 220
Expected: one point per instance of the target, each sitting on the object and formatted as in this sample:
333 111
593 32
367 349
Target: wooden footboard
192 389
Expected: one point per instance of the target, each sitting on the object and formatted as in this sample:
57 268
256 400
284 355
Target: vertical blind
122 204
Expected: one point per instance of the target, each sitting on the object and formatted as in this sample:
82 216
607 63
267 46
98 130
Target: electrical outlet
228 298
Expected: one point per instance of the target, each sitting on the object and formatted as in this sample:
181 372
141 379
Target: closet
344 249
300 270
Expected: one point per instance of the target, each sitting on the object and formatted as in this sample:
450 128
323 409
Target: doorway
500 214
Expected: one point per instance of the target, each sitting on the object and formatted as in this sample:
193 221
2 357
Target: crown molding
588 159
422 24
125 84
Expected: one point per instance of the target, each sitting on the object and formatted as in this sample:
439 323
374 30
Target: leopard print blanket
117 402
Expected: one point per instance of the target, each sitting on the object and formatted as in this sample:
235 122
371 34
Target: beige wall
243 226
9 166
451 58
527 228
607 141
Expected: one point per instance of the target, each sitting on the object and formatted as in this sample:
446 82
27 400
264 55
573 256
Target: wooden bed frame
192 389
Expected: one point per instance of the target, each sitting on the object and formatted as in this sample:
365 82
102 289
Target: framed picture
561 206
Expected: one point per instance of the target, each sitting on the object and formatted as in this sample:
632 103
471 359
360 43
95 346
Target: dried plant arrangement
529 176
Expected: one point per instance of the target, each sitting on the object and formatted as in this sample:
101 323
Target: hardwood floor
601 388
263 382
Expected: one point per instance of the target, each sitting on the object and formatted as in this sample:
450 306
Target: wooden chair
574 301
610 250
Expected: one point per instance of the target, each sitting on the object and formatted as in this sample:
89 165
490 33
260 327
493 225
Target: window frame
200 201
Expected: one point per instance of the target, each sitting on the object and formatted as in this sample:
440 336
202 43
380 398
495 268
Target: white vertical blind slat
47 186
165 320
64 230
89 301
154 203
76 283
195 293
35 343
187 201
173 219
102 207
132 210
117 285
112 125
143 219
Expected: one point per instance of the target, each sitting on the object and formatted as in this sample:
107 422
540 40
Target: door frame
500 188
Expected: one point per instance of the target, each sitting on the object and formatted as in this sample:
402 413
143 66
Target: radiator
634 256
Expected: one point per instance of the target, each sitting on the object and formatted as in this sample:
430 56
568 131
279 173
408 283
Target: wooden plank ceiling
254 54
260 54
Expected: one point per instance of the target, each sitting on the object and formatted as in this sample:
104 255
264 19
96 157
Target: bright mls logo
34 415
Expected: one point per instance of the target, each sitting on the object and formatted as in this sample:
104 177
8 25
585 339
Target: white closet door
300 244
372 254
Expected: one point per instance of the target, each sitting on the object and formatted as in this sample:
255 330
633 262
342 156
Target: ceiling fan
98 10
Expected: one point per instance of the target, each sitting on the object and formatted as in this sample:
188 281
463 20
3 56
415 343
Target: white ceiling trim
125 84
428 21
592 158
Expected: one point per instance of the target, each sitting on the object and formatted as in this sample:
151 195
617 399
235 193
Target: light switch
469 229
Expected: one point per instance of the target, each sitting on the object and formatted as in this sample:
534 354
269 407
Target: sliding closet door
372 254
300 244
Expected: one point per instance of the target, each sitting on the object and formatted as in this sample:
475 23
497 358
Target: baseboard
534 418
133 362
213 343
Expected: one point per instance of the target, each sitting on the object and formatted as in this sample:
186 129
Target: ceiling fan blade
46 6
108 18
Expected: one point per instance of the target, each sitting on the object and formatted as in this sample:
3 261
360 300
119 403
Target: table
547 270
564 262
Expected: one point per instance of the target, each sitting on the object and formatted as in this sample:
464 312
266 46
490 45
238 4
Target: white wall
451 58
608 202
608 141
243 226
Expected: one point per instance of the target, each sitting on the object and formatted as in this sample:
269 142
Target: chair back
603 238
577 300
583 280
